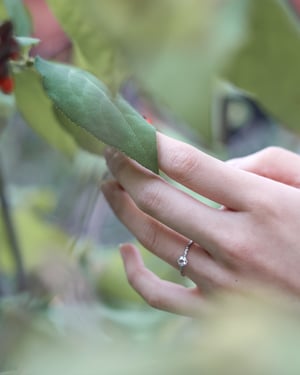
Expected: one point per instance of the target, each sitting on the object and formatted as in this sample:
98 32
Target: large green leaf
267 64
87 102
80 20
19 16
36 108
83 138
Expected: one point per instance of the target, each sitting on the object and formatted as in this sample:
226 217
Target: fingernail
122 248
108 152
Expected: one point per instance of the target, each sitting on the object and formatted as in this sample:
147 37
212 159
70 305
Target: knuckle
150 295
149 197
184 163
267 155
257 201
153 298
271 151
118 163
263 207
149 236
118 205
237 249
134 279
241 253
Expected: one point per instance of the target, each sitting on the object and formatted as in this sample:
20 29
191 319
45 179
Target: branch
11 236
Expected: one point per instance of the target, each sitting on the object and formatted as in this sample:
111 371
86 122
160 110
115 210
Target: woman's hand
254 237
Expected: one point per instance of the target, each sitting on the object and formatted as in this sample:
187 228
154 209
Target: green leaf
267 64
36 108
83 138
19 16
87 102
80 21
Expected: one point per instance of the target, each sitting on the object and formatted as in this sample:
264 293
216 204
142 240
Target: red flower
6 85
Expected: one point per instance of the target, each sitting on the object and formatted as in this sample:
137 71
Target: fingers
170 206
273 162
204 174
164 242
158 293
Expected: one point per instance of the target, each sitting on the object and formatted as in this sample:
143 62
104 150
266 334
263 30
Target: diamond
182 261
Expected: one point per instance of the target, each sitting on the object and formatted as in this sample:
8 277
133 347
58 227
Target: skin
252 238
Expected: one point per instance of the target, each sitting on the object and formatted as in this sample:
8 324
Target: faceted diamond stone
182 261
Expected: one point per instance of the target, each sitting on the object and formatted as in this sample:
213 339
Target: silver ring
182 261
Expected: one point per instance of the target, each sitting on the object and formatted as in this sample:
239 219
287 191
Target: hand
254 237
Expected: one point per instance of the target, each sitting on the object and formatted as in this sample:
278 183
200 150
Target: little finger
160 294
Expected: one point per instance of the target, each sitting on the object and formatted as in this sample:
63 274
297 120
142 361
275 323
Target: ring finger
167 244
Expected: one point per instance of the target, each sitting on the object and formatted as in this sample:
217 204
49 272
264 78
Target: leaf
81 22
19 16
87 102
267 64
36 108
83 138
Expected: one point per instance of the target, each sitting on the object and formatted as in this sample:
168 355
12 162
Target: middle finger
176 209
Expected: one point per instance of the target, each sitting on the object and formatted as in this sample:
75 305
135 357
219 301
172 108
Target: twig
11 236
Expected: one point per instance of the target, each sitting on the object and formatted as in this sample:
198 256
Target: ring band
182 261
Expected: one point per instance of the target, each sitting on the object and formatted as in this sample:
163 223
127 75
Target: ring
182 261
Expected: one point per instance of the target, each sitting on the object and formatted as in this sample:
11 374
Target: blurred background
221 75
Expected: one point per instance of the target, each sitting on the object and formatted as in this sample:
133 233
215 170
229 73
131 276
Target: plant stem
11 236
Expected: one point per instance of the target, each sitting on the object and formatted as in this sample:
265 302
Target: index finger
206 175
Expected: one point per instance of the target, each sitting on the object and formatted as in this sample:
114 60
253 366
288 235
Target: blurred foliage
79 314
37 235
7 109
37 110
191 44
266 65
246 334
93 51
173 48
19 16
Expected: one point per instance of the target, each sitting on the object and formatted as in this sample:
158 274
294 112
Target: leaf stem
11 236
